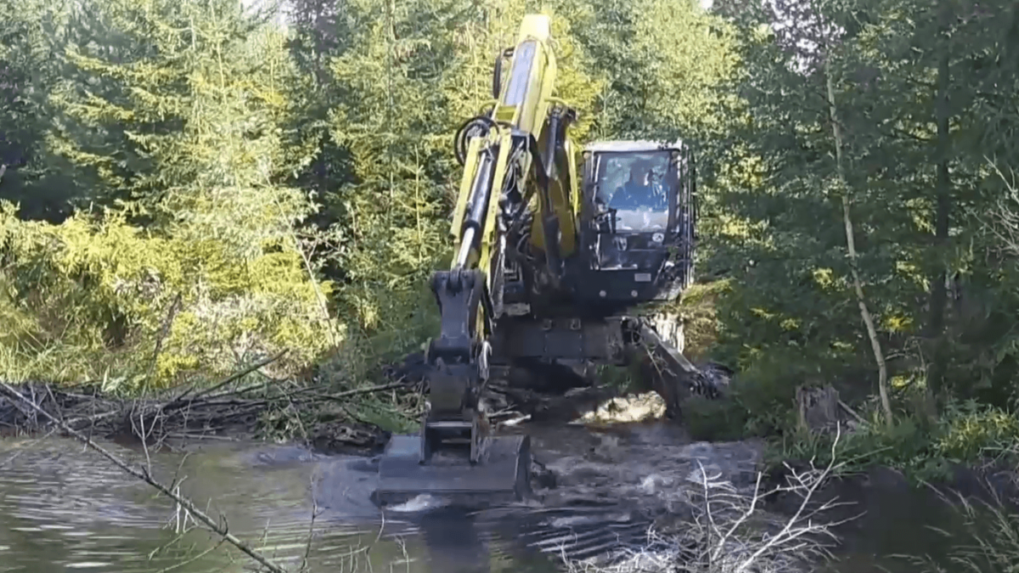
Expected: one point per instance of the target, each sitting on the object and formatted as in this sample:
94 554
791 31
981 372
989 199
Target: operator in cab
639 193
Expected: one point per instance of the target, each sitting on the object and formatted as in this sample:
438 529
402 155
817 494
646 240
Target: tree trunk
942 210
868 320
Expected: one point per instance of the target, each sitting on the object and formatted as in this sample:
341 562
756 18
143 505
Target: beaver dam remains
323 418
166 419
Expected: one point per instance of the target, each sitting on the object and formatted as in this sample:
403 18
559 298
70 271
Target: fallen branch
853 413
355 392
144 475
179 400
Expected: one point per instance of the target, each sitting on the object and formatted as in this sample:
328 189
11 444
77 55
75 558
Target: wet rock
638 408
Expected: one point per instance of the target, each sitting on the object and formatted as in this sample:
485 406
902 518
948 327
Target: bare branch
143 474
731 533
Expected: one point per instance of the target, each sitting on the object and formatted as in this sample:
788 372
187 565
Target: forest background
192 185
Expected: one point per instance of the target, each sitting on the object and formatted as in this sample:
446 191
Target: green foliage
715 420
898 70
967 433
697 308
30 33
199 263
243 189
100 299
661 62
392 120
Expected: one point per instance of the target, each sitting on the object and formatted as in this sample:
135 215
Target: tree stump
817 408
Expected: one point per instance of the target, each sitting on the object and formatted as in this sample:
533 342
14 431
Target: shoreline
178 419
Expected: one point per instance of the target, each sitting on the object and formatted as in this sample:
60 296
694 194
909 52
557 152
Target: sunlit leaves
184 110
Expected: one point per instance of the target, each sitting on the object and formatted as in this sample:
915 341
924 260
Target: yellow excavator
553 245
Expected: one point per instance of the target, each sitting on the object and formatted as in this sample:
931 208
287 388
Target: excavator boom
499 151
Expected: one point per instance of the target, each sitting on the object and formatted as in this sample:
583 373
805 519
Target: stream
63 508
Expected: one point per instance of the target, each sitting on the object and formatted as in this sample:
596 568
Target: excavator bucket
501 474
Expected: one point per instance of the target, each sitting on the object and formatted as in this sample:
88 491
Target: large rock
635 408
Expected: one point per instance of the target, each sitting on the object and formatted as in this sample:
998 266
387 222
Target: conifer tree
178 120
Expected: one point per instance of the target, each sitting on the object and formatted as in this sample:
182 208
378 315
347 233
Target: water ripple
68 509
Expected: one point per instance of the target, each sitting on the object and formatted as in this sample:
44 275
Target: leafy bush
714 420
966 433
96 298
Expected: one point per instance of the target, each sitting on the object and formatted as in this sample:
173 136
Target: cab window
637 187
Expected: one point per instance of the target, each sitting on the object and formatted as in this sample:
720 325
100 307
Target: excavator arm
509 184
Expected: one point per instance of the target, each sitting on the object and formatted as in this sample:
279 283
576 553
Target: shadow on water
65 509
901 523
454 541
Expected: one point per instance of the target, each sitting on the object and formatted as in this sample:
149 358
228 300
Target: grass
966 433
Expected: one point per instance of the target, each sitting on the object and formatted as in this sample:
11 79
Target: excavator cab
638 208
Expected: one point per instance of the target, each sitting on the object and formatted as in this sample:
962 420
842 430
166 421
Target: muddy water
65 509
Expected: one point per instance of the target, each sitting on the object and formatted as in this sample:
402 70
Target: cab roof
633 146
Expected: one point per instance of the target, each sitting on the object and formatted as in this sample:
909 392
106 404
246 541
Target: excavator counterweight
552 245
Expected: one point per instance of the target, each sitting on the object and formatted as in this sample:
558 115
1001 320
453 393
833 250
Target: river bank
167 419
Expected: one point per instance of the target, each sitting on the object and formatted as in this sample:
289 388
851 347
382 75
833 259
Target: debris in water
418 503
